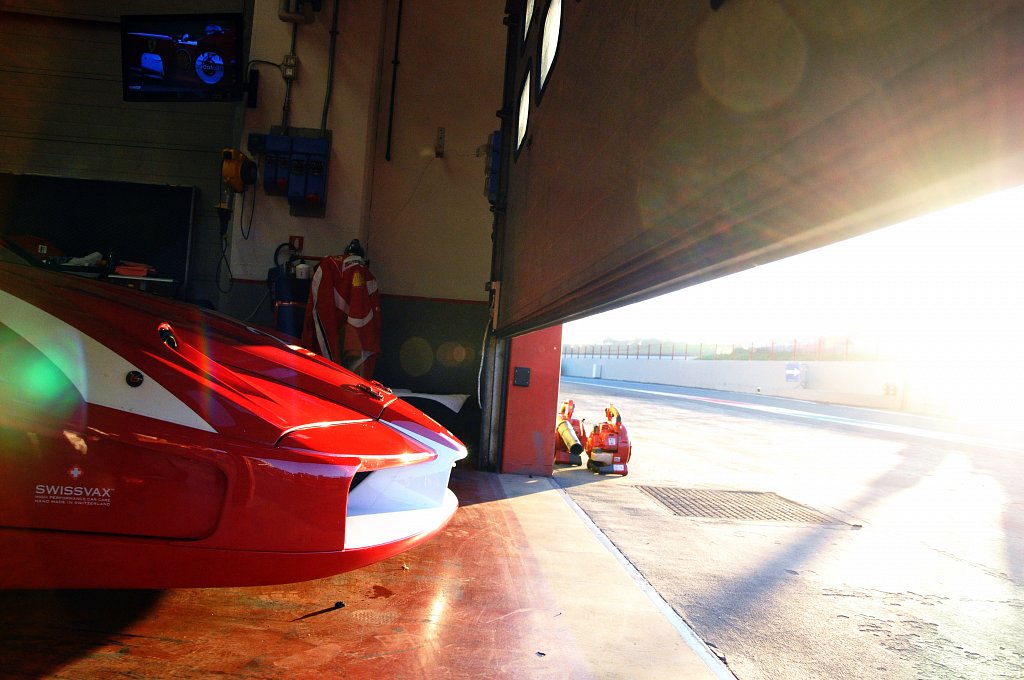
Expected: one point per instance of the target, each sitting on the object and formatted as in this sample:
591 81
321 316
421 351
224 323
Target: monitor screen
182 57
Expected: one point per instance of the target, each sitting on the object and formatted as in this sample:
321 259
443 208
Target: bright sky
952 276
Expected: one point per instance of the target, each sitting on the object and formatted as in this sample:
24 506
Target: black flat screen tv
182 57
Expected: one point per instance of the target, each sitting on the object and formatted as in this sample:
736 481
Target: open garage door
652 145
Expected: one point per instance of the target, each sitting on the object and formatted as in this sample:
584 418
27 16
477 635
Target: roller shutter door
674 143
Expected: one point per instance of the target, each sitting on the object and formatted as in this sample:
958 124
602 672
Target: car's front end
150 444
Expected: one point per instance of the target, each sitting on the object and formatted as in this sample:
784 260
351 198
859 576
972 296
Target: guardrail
821 349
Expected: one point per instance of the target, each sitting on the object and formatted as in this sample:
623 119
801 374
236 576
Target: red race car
147 443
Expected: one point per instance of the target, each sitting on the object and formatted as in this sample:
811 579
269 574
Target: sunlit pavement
920 575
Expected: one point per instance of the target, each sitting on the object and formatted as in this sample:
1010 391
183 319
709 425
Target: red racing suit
342 320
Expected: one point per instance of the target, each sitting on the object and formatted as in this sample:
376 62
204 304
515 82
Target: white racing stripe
95 370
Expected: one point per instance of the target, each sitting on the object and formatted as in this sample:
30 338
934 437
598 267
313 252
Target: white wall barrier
922 387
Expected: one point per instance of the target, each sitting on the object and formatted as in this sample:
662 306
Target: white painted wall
356 81
424 220
430 224
923 387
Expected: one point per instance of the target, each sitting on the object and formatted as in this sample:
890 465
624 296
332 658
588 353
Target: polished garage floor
517 586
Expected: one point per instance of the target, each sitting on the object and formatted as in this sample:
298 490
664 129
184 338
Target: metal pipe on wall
394 78
330 66
285 108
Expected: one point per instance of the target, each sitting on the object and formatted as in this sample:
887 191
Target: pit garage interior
507 166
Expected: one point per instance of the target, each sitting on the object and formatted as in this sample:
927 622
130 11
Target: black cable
277 251
262 61
288 84
241 217
263 299
330 67
394 78
483 355
224 259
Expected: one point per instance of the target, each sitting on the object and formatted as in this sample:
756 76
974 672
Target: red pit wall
529 444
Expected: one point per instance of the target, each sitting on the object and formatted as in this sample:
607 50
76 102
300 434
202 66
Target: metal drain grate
746 505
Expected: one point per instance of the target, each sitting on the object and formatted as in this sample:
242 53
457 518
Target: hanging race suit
342 321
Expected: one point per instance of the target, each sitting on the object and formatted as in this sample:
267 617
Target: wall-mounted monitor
182 57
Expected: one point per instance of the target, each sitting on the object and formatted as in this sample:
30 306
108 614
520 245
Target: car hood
237 379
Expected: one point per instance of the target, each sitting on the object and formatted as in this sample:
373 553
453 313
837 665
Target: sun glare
939 290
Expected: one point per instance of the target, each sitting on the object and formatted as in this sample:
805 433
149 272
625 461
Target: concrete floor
517 586
919 574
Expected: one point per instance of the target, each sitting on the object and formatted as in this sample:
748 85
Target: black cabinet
124 221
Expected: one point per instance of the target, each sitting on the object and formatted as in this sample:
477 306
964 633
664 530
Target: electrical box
307 182
295 164
257 143
277 158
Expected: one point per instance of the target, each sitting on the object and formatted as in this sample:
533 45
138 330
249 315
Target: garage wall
675 142
421 215
430 223
265 221
431 345
62 114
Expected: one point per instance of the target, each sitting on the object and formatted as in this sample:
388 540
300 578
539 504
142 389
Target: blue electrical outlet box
297 180
295 164
307 180
276 164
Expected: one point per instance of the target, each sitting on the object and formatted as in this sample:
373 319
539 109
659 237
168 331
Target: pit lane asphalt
921 574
